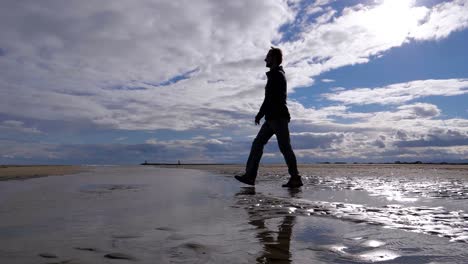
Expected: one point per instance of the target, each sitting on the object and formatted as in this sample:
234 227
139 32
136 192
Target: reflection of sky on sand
424 214
401 188
154 215
187 216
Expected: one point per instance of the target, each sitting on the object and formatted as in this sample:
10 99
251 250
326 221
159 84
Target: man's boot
294 182
245 179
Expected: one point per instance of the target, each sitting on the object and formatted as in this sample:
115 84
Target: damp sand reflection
149 214
276 243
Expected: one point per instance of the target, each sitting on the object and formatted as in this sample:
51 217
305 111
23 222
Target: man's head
274 57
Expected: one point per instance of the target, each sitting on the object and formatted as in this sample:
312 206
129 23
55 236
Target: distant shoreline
307 164
23 172
333 170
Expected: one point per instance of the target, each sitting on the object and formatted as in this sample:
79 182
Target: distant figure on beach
277 119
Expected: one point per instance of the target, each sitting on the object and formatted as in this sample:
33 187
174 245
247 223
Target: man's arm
261 112
266 103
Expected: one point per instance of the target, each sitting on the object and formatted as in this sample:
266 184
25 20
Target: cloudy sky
121 81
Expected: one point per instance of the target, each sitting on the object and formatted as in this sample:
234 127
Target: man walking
277 117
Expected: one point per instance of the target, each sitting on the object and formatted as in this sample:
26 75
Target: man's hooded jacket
274 105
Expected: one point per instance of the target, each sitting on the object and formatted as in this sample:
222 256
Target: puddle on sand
121 214
423 201
428 220
360 255
400 188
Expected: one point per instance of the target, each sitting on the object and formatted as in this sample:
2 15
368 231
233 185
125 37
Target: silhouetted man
277 119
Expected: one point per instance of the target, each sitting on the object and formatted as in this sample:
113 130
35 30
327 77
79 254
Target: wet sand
334 170
146 214
23 172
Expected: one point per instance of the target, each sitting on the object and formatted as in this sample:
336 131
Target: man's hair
277 53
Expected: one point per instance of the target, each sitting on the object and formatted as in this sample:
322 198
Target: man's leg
281 130
256 151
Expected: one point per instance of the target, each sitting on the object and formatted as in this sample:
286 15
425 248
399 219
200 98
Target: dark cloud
426 112
379 143
401 135
419 110
316 140
437 138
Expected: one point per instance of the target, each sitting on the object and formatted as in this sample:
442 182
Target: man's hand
257 120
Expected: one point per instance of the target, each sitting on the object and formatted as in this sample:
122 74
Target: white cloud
77 54
313 10
28 151
310 140
442 20
321 2
199 64
15 126
74 53
401 132
326 17
151 141
401 92
362 32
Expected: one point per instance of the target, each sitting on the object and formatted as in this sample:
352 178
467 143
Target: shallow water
157 215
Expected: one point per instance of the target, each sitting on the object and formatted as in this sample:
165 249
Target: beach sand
23 172
148 214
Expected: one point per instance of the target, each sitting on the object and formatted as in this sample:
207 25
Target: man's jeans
269 128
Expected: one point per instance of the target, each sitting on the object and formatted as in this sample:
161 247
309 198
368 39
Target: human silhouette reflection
276 249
